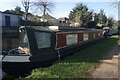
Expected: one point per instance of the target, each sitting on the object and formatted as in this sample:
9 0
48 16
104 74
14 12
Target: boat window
94 35
43 39
71 38
99 34
24 43
85 36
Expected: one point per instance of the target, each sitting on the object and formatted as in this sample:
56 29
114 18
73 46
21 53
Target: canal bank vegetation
78 65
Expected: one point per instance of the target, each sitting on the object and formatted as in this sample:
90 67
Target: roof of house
63 18
47 16
8 13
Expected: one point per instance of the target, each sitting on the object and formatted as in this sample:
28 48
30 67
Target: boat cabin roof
46 28
80 30
39 28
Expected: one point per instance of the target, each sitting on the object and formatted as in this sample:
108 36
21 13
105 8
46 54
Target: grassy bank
80 64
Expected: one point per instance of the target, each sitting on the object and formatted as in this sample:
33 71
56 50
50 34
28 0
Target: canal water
7 44
2 74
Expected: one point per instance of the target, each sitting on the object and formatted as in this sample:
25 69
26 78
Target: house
10 35
64 20
48 18
9 19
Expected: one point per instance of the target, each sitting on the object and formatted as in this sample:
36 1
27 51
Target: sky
62 8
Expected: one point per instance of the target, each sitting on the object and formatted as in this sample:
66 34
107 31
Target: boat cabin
36 39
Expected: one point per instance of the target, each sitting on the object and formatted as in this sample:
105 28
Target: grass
80 64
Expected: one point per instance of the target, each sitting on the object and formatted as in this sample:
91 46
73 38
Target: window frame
70 37
94 35
84 36
99 34
24 40
43 45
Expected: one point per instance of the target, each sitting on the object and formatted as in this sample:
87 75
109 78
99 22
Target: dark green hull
24 64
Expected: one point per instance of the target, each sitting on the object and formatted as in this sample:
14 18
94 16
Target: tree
44 6
72 15
110 22
115 4
26 4
10 12
96 19
102 18
81 15
18 11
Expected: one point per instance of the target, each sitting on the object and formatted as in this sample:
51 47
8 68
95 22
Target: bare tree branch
26 4
44 6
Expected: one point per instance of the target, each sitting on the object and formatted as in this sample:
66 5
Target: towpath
108 68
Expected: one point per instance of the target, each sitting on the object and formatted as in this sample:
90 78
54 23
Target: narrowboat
41 45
